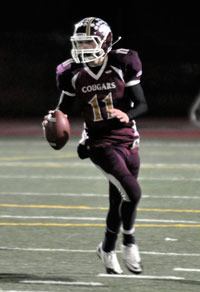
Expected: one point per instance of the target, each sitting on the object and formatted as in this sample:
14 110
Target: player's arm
133 89
64 84
136 95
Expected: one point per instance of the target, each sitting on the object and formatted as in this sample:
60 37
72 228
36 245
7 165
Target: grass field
52 212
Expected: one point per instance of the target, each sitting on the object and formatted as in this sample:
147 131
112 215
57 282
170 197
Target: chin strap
118 39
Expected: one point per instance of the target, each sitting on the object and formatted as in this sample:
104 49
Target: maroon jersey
102 88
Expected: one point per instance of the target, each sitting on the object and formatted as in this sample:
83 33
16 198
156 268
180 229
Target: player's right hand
122 116
47 118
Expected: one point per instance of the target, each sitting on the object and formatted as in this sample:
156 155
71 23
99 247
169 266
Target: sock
109 241
128 239
128 236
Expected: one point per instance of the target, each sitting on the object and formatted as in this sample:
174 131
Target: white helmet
93 30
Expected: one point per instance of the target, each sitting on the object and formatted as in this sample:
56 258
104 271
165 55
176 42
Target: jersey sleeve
64 78
132 67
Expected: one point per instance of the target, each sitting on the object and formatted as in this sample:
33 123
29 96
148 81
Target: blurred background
35 39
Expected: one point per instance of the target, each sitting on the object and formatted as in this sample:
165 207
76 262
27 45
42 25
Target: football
57 129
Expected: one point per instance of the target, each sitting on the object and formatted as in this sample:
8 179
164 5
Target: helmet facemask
83 55
94 32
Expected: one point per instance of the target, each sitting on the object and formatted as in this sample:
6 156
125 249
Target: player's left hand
122 116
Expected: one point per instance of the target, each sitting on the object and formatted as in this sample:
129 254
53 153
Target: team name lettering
98 87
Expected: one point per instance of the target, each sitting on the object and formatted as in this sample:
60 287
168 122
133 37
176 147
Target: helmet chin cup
83 56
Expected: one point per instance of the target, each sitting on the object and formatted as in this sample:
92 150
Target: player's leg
106 249
113 219
130 251
123 174
129 208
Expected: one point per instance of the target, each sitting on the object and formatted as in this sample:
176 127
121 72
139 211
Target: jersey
101 88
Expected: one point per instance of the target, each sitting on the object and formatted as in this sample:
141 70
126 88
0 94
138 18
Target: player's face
86 45
90 44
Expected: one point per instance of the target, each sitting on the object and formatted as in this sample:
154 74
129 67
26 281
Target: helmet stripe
88 31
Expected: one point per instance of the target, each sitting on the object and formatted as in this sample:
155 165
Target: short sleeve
64 78
133 68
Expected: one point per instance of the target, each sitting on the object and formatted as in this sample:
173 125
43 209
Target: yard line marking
154 253
22 290
170 254
94 219
170 166
81 207
54 217
187 270
52 177
170 197
181 178
40 224
170 144
168 221
144 144
164 196
51 164
169 210
170 239
141 277
53 194
94 177
67 283
33 157
85 207
45 164
52 224
47 249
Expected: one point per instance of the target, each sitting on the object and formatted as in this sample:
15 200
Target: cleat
109 260
132 258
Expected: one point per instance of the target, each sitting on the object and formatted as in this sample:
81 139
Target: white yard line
66 283
164 196
54 218
187 270
51 164
40 143
53 194
189 197
94 251
151 277
94 177
94 219
177 144
22 290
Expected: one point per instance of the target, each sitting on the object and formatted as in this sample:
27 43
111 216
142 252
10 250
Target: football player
106 83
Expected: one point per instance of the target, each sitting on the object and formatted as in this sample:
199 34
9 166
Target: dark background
34 39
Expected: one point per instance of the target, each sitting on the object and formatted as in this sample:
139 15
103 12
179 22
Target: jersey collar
100 72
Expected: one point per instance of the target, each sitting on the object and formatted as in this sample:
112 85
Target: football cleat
109 260
131 257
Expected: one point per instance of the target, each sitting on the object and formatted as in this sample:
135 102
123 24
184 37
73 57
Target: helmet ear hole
106 46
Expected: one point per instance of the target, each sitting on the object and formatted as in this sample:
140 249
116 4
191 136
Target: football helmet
97 34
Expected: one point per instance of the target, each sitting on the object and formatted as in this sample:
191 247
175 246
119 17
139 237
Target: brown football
57 129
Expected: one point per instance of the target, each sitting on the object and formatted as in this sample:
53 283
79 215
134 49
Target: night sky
142 24
35 38
132 16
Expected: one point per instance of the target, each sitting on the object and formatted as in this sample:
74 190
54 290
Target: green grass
38 182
